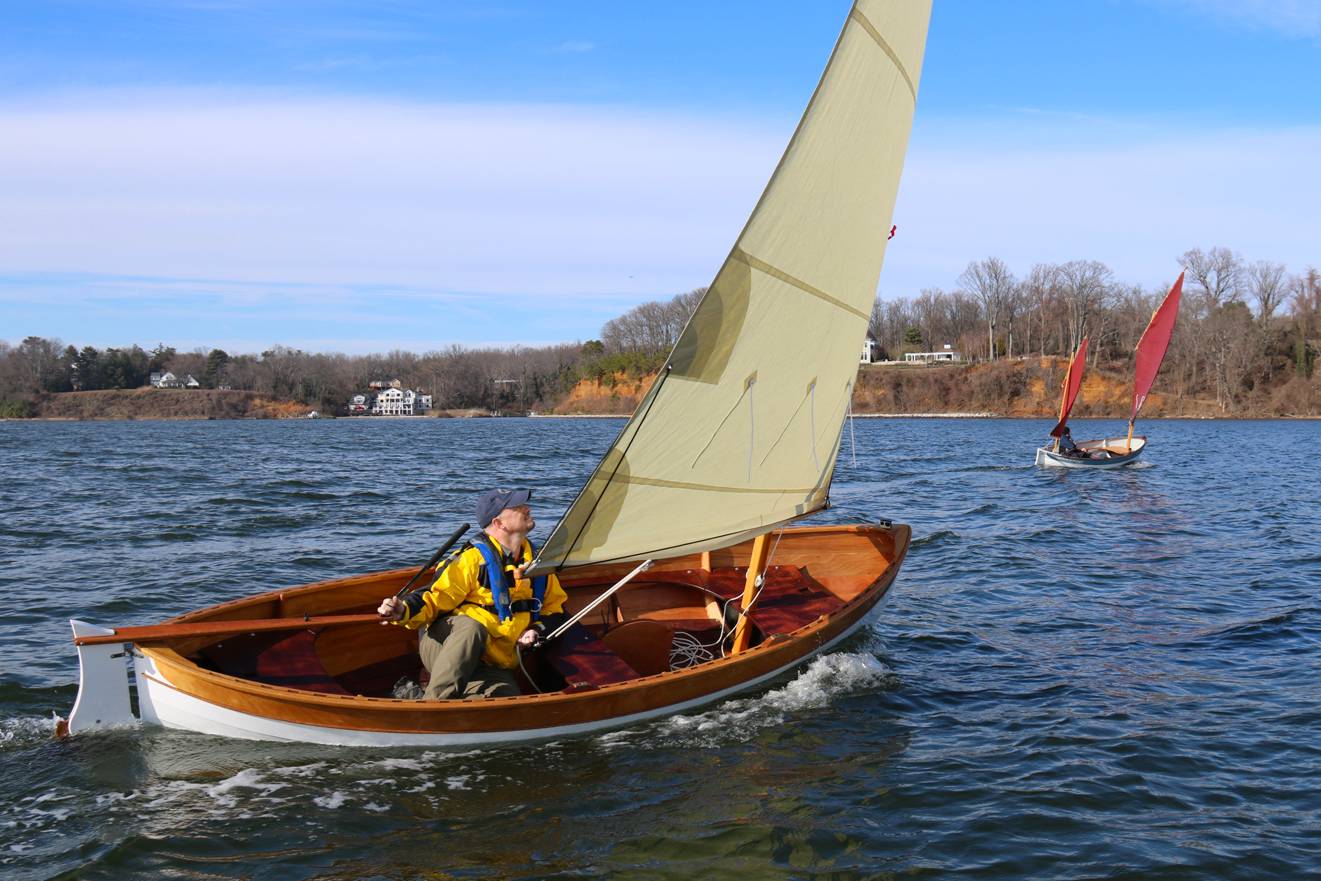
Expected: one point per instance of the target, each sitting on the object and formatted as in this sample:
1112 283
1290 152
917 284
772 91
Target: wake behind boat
738 436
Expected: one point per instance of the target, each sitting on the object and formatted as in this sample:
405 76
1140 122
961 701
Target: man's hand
529 639
391 609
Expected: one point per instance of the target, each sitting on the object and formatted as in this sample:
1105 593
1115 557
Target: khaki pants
451 648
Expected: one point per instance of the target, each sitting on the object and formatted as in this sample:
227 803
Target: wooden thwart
166 632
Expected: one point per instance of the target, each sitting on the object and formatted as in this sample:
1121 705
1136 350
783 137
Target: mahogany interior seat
287 659
644 645
789 599
582 659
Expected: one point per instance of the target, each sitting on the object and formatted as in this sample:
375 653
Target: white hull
1113 447
162 704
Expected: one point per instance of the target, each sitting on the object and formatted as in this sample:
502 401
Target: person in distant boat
1068 447
481 610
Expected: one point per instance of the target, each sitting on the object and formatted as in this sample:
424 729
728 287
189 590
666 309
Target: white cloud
270 213
1135 196
532 199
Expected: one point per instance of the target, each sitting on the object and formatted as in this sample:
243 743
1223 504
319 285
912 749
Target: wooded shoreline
1007 336
1025 387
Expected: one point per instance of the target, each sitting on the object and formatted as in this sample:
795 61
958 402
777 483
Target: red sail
1151 348
1072 382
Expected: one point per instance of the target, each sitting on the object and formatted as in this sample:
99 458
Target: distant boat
1115 452
737 437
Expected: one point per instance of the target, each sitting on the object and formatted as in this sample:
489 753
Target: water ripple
1079 675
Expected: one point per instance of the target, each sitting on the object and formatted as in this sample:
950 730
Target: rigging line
775 547
853 438
761 586
518 650
656 390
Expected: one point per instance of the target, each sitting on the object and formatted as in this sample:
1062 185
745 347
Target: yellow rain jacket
462 589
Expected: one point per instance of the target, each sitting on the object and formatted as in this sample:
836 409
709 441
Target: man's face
517 519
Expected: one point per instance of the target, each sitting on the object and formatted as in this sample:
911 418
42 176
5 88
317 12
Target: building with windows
169 380
399 402
946 355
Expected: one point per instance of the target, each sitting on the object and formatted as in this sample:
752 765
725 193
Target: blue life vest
499 585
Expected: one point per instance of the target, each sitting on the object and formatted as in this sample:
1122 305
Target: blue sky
361 176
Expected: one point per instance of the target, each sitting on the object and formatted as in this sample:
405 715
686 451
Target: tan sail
741 429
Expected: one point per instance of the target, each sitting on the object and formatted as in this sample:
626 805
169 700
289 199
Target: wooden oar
166 632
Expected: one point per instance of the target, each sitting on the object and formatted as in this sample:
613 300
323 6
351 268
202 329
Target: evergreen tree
214 373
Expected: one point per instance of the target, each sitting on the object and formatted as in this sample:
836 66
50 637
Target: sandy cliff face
617 396
1023 387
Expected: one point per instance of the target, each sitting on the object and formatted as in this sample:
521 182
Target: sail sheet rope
687 650
853 438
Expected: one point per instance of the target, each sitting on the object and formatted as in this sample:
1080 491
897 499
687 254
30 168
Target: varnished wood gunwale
835 547
152 633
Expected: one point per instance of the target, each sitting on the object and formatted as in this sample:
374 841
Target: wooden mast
756 566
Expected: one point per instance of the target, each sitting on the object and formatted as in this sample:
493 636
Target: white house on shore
947 354
169 380
400 402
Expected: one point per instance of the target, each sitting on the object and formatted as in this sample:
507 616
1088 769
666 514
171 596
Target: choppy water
1109 675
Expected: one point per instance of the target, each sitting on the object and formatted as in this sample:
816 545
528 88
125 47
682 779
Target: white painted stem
642 567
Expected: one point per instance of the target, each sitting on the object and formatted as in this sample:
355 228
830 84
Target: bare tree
928 314
1218 272
653 327
1016 306
1266 281
1040 289
991 282
1084 287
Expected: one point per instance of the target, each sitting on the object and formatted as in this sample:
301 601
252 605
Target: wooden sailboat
1116 452
737 437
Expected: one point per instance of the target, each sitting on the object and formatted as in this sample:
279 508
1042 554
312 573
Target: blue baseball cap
493 501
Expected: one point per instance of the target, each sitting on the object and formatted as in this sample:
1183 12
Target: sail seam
870 28
705 487
774 272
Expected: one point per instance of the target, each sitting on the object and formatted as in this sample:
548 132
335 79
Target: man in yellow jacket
481 610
